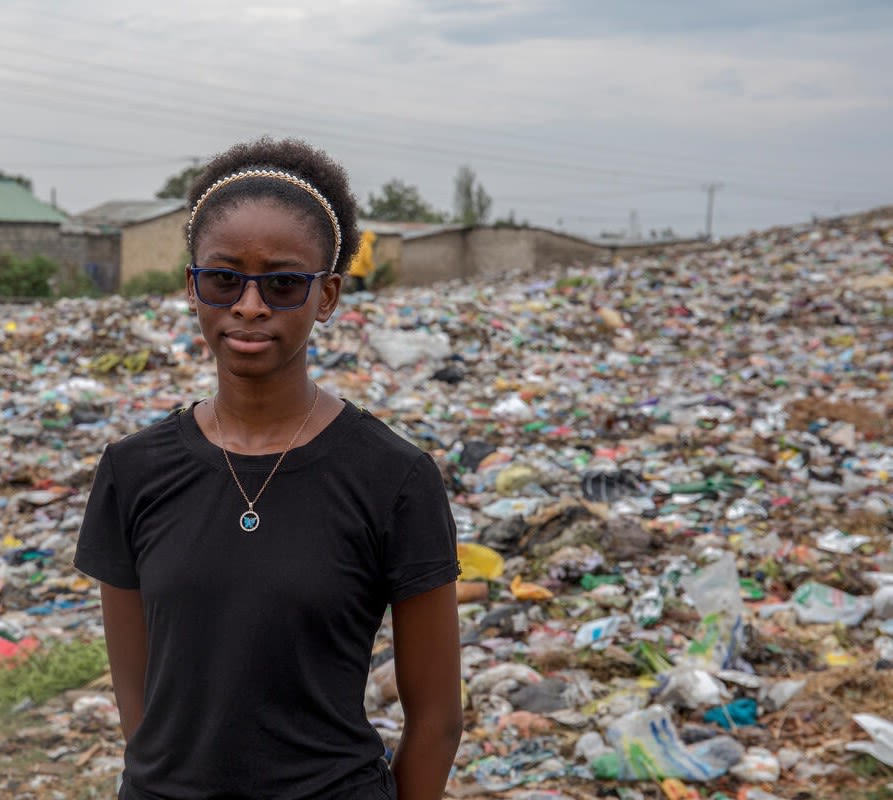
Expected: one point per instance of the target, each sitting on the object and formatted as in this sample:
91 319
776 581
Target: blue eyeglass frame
195 271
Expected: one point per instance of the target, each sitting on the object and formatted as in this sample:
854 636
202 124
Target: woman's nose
251 303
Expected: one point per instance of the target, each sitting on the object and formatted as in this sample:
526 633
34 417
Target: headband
280 175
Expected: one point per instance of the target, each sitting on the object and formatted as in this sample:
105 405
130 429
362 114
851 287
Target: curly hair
289 155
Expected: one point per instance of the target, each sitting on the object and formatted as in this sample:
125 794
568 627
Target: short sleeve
103 549
420 539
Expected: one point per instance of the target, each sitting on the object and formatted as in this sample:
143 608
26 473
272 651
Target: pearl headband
276 174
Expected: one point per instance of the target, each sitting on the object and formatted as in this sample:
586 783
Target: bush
155 282
383 276
79 284
26 277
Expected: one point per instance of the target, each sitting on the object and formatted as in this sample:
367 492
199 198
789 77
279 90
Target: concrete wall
493 251
388 249
485 251
440 257
27 239
101 258
74 253
553 248
490 251
158 244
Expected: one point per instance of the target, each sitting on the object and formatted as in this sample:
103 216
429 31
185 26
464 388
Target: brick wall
158 244
97 255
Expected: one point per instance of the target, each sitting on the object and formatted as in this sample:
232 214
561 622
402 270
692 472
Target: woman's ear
330 294
190 289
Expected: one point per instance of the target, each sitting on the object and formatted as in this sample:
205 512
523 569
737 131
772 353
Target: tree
178 185
510 221
471 201
400 202
20 179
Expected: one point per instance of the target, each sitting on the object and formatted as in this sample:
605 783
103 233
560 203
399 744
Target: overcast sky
574 114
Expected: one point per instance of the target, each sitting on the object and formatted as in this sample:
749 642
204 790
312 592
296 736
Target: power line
256 93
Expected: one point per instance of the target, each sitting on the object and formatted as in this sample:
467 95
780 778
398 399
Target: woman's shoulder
153 435
379 436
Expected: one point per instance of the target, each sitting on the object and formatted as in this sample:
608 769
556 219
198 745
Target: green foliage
867 766
400 202
471 201
383 276
178 185
510 222
26 277
155 281
46 672
78 284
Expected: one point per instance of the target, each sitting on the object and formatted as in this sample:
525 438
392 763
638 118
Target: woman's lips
248 341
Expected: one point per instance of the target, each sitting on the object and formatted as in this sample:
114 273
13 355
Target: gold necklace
250 519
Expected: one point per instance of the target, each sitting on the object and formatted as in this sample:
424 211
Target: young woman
248 546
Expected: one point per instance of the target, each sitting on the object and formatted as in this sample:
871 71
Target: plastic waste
688 687
590 746
598 633
516 477
818 603
882 603
404 348
777 695
509 507
716 596
648 747
742 711
836 541
606 487
758 765
507 675
648 607
479 561
525 590
881 732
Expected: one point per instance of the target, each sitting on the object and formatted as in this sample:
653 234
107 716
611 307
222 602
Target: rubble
672 483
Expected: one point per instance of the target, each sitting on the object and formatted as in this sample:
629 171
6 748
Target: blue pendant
249 521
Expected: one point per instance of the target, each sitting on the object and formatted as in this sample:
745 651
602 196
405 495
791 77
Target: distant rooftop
18 204
120 213
405 229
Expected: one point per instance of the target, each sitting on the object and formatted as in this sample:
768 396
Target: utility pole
711 189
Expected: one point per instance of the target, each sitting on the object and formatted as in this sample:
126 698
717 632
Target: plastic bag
818 603
479 562
648 747
402 348
716 595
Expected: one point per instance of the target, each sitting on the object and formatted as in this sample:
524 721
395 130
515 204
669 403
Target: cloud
560 94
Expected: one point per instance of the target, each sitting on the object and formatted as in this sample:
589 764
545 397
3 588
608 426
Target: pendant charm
249 521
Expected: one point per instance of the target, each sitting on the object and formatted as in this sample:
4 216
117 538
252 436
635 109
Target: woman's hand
426 654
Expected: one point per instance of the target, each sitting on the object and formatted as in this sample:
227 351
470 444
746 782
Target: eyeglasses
281 291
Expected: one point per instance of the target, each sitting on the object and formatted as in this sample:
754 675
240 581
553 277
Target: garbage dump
671 477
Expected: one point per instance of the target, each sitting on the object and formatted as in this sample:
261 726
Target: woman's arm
125 639
426 653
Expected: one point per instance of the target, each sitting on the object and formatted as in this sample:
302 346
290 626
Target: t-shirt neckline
296 458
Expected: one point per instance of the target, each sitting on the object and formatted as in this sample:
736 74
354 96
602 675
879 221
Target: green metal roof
17 204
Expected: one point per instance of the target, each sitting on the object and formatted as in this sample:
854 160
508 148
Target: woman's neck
262 419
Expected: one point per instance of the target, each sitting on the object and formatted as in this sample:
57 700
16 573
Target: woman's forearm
424 757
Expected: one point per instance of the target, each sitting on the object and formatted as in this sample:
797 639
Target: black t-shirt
259 643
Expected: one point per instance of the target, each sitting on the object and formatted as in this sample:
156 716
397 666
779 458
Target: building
420 254
28 226
146 235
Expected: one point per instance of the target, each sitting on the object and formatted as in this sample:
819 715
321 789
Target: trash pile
671 478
